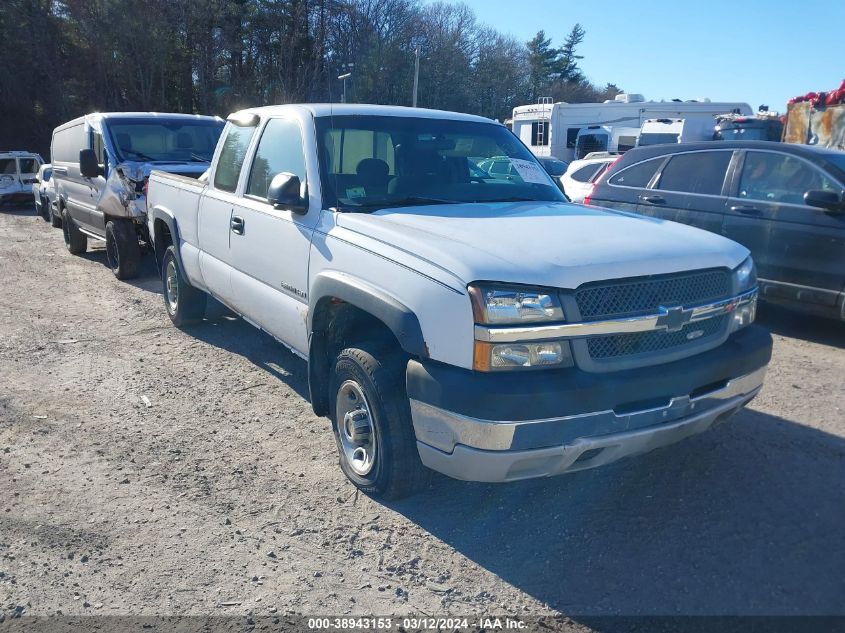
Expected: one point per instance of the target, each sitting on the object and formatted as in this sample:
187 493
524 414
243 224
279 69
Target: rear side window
572 136
696 172
232 157
279 150
637 175
586 173
7 166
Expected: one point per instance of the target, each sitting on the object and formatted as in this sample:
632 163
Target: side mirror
88 165
284 193
825 199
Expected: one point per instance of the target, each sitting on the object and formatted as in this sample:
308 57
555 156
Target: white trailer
551 129
689 130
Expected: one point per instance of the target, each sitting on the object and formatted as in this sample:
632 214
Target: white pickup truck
475 325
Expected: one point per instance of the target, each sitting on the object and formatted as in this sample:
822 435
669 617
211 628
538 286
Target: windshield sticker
530 172
356 192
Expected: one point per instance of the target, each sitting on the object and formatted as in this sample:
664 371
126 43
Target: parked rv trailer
551 129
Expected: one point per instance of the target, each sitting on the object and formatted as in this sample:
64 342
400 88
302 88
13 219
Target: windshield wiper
140 155
403 202
200 159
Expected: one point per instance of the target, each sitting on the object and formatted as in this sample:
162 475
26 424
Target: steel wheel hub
171 286
355 428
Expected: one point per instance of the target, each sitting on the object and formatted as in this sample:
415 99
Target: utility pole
416 74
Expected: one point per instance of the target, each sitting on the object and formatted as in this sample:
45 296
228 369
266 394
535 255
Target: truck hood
544 243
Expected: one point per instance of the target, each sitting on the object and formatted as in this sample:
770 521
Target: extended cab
453 319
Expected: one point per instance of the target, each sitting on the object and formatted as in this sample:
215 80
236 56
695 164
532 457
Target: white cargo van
551 129
688 130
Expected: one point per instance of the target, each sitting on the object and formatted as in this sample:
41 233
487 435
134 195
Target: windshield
163 140
837 158
657 138
371 162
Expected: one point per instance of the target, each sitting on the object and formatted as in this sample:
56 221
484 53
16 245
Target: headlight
745 276
495 304
504 356
744 279
499 304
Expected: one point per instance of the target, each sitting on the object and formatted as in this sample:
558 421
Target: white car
469 322
17 173
44 194
581 174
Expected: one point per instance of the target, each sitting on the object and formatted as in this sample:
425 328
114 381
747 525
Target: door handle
746 210
653 199
237 224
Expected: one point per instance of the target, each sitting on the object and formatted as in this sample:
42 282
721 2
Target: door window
29 165
696 172
232 157
279 150
7 166
637 175
780 178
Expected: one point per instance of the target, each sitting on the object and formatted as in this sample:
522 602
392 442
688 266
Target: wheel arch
165 231
362 305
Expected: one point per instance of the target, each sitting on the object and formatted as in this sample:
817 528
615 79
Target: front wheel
122 249
371 420
185 304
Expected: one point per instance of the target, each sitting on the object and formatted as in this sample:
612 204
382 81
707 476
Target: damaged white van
101 163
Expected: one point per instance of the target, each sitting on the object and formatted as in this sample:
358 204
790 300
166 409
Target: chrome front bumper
484 450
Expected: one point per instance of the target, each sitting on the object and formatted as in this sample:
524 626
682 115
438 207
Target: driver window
779 178
279 150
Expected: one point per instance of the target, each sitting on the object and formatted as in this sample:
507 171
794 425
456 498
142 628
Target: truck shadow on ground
147 279
744 519
806 327
23 208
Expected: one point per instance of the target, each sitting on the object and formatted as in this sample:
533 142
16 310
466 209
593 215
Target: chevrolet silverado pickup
453 319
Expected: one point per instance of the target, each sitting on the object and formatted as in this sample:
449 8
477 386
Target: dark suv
786 203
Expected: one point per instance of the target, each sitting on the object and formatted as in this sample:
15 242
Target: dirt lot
146 470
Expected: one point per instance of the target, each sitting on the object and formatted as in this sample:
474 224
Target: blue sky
752 51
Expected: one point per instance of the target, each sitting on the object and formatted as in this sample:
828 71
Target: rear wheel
185 304
371 420
75 240
122 249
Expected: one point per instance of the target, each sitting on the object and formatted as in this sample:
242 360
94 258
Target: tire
55 219
122 249
185 304
377 448
45 209
75 240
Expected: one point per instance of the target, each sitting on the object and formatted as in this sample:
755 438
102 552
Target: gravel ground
149 471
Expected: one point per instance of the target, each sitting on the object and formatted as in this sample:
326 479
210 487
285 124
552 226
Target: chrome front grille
620 345
634 297
648 295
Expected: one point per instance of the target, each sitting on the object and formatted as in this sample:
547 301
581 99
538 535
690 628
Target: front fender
398 317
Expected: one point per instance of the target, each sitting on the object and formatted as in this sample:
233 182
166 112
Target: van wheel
122 249
45 209
371 420
55 219
75 240
185 304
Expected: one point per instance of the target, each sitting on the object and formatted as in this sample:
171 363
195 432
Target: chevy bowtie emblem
673 319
